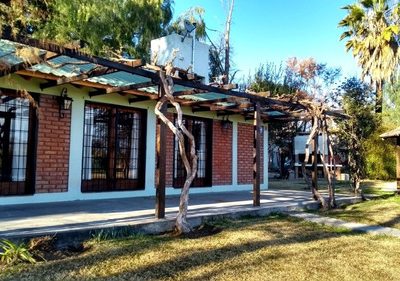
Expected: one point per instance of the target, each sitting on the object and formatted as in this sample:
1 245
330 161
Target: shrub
380 157
11 253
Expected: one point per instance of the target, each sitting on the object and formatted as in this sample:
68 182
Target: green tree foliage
380 156
277 80
23 17
391 112
372 29
357 101
112 28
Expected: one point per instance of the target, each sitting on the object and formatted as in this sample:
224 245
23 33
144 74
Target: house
105 144
300 141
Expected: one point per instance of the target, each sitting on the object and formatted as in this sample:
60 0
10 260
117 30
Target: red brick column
52 159
170 153
221 154
245 154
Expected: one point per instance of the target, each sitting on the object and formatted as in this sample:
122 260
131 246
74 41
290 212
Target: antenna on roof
189 27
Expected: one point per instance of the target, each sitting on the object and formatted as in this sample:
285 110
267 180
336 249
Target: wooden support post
257 156
398 164
296 168
161 164
314 173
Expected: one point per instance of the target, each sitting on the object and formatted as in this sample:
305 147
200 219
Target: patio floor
66 217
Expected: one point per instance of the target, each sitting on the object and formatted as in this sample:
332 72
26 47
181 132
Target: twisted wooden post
180 131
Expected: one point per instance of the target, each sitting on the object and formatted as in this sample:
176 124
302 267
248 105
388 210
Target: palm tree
372 31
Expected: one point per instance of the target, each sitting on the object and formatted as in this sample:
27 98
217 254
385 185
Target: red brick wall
170 153
245 154
53 147
221 154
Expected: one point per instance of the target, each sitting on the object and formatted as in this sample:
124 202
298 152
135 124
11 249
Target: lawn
385 212
273 248
376 187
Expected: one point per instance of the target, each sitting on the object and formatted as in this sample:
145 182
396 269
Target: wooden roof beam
138 99
202 102
226 113
189 92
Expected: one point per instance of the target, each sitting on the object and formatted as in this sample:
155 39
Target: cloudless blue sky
273 31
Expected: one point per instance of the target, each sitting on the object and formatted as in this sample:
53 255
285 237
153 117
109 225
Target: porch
82 218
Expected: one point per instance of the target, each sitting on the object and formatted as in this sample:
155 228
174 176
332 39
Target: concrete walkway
359 227
86 216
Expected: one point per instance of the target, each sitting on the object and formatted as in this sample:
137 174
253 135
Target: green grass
274 248
374 187
384 212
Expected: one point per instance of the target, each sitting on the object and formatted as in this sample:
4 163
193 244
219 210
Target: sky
272 31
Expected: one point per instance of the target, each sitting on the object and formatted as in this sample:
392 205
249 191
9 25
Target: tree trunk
329 171
314 191
379 97
180 131
227 43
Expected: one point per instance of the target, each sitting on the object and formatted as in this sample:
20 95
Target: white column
150 152
76 147
266 157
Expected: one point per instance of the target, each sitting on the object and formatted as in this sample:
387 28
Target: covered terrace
59 65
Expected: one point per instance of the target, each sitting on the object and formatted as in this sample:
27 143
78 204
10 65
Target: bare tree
319 125
180 131
226 79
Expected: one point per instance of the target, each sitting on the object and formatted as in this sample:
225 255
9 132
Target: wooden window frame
112 182
27 186
197 182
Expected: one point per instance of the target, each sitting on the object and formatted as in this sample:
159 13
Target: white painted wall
162 50
80 95
300 144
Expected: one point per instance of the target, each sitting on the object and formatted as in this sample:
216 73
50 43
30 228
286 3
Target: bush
380 157
11 253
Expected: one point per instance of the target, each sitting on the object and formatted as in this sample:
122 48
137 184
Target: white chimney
190 54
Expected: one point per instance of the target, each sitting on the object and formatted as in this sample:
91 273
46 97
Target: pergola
395 134
60 65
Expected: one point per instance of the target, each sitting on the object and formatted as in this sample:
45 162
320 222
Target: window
201 129
17 127
113 148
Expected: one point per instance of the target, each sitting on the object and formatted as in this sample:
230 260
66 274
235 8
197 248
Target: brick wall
53 147
170 153
245 154
221 155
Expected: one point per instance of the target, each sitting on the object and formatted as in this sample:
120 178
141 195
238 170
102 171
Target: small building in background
299 155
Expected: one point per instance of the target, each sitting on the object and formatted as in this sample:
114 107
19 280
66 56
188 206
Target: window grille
17 122
201 129
114 149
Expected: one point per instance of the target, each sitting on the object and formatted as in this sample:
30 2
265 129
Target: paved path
370 229
77 216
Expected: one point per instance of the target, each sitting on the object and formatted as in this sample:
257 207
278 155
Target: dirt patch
203 230
45 248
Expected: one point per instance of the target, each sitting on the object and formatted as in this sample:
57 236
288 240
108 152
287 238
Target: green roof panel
118 79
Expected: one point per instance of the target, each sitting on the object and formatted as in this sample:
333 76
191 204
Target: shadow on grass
298 233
